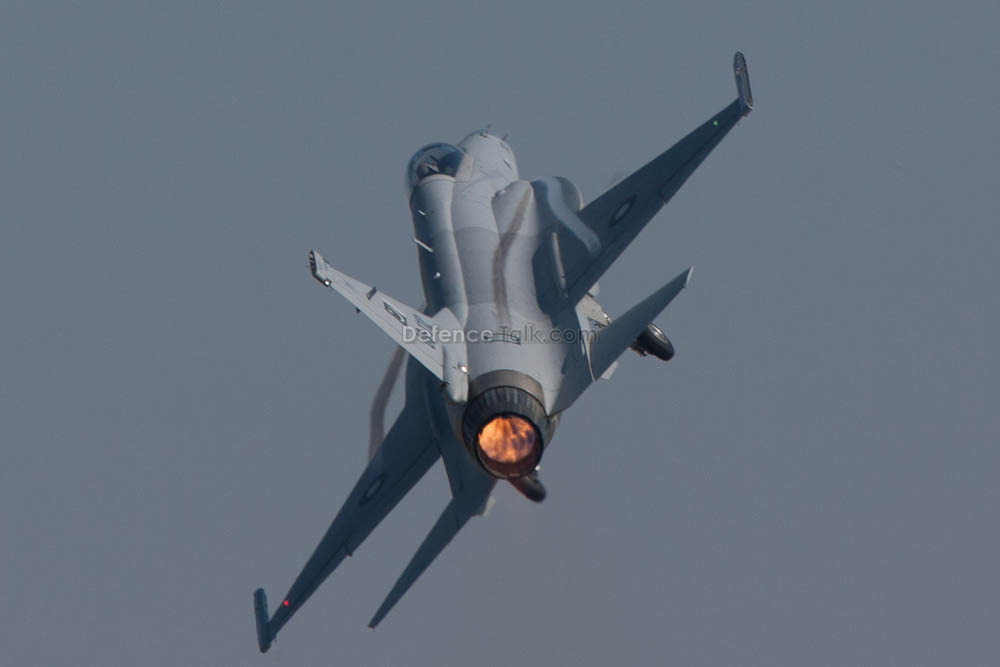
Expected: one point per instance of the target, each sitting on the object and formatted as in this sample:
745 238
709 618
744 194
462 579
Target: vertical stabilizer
446 527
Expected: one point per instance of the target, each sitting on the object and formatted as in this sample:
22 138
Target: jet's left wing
617 216
407 452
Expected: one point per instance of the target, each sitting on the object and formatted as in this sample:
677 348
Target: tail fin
447 526
471 488
376 416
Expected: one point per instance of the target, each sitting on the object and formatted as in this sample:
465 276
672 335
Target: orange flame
507 439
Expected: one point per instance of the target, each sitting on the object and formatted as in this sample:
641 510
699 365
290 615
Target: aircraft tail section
471 488
615 338
412 330
620 334
446 527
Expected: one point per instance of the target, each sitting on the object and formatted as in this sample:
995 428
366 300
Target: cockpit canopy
433 159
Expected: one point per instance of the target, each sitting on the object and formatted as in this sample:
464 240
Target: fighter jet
509 337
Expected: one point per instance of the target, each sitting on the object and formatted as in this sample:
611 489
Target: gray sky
812 480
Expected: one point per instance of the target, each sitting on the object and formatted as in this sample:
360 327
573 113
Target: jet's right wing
617 216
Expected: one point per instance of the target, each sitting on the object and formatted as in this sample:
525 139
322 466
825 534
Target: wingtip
687 276
264 634
742 83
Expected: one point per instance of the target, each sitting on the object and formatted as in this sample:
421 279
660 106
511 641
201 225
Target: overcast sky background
812 480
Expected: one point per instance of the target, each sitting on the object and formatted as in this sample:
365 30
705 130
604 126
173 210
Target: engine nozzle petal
506 429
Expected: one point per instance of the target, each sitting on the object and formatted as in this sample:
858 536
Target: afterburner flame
507 439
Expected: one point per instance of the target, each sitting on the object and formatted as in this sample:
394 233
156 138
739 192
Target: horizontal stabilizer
412 330
615 338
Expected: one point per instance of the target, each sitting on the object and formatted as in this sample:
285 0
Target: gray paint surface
812 478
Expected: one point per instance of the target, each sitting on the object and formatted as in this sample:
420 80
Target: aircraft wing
618 215
407 452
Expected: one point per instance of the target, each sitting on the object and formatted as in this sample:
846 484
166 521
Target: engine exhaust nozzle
506 429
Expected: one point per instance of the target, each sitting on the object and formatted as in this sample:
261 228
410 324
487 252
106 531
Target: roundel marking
622 210
373 489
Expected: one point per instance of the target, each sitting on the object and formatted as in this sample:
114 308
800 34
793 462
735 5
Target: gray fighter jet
510 335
